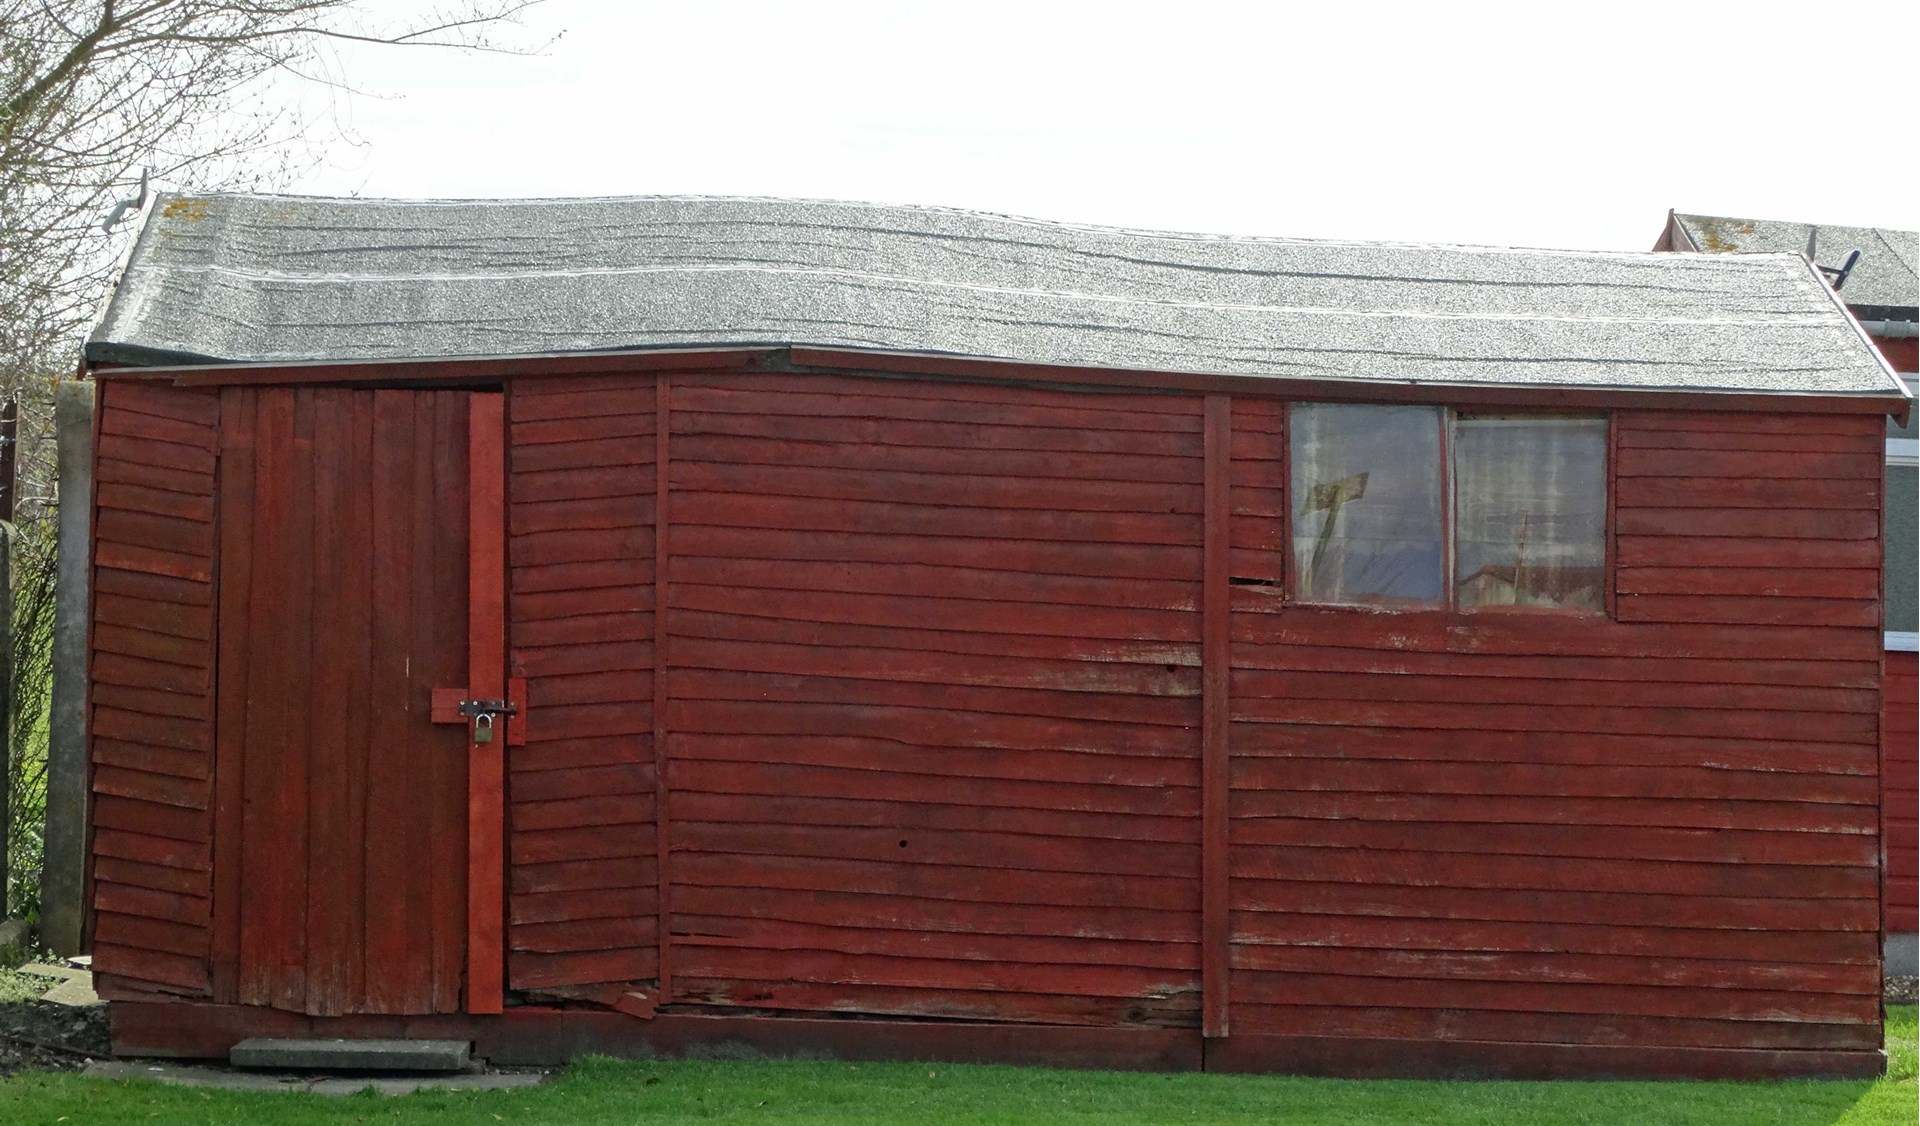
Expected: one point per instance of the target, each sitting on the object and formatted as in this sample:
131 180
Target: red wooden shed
672 625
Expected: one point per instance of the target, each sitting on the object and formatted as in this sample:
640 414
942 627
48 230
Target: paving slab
351 1055
48 969
227 1079
76 991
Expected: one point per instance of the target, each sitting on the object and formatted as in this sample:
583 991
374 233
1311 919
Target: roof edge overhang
805 359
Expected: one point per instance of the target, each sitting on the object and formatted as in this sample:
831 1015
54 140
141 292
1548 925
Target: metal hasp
473 709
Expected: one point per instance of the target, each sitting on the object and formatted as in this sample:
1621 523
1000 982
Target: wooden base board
531 1036
1343 1058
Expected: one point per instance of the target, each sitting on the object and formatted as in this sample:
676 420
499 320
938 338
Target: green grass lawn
609 1091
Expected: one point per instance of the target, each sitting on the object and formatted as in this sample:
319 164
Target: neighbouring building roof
1888 274
282 278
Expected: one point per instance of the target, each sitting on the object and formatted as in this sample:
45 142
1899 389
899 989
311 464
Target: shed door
345 554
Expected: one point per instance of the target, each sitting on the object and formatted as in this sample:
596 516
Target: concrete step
351 1055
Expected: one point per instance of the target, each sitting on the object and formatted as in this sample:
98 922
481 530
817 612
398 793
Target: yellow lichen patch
1714 238
192 210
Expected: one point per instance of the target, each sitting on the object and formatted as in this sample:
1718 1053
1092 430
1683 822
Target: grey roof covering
275 278
1885 276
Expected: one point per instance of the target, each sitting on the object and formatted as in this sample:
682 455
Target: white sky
1505 124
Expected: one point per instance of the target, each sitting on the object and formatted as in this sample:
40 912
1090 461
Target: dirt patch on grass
38 1035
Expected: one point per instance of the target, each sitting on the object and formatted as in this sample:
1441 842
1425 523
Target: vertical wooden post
63 876
486 680
662 394
9 441
1215 678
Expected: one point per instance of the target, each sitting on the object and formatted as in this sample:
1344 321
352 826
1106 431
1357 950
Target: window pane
1366 503
1901 561
1532 511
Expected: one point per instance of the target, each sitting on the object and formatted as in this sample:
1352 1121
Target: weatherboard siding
151 716
934 700
583 880
924 672
1658 829
1901 733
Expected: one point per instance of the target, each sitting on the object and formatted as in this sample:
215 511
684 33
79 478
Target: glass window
1530 511
1366 504
1901 561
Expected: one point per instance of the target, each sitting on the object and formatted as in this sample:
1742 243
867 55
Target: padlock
483 727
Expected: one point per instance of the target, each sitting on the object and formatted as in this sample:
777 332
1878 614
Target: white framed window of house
1902 557
1426 507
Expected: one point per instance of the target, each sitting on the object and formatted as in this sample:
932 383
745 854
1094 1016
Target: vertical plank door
345 602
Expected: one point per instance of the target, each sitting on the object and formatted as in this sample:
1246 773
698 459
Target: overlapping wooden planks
152 702
582 882
342 811
1655 830
934 700
1748 519
934 723
1900 735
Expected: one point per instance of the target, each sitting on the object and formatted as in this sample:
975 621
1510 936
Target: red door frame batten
1215 680
486 680
662 495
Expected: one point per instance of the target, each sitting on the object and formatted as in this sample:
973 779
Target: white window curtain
1531 511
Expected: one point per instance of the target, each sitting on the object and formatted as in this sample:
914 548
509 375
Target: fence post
63 877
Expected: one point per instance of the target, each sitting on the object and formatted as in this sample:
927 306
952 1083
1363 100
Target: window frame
1901 453
1449 602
